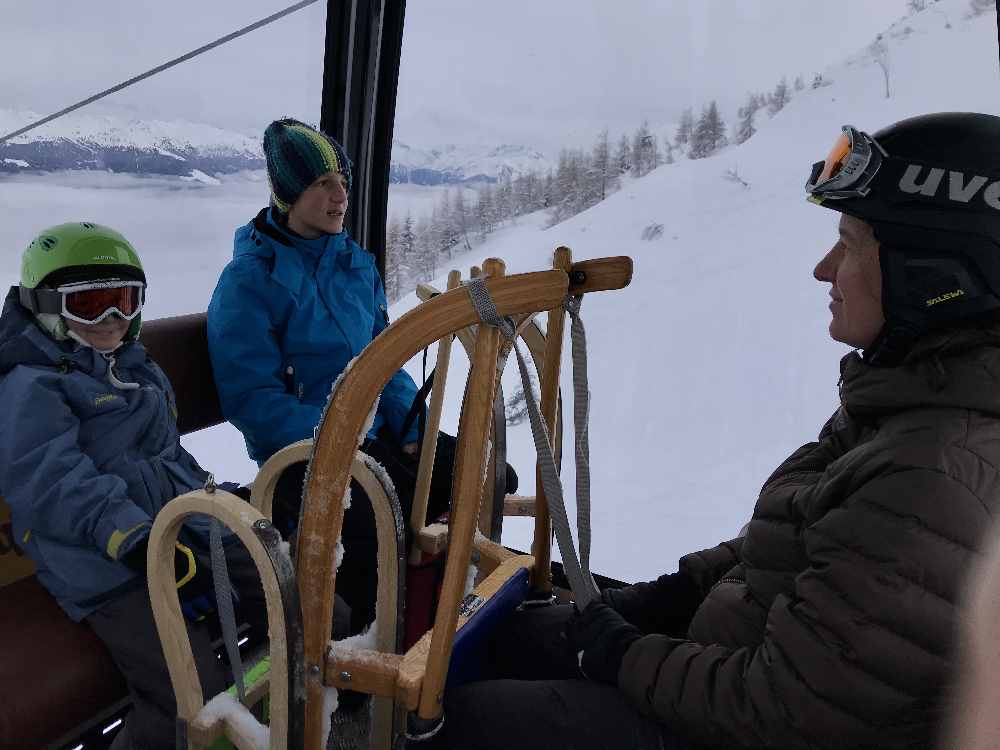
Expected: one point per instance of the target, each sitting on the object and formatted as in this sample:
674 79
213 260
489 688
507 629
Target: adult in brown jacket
831 623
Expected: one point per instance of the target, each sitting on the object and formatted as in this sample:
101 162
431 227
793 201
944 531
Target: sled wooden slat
474 430
432 539
519 505
491 554
336 443
372 672
428 450
600 274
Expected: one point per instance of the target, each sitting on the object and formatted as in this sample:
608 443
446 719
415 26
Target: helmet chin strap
108 354
81 340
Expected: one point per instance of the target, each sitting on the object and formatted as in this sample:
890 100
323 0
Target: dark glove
195 586
600 637
235 488
665 605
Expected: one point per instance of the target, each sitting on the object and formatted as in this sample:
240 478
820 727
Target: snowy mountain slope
706 372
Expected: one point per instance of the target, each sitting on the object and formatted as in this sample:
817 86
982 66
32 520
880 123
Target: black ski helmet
934 206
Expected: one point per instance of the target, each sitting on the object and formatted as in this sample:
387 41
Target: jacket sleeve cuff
118 535
643 666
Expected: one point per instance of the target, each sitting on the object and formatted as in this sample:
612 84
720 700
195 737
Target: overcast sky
539 72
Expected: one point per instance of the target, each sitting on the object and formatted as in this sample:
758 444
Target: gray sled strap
581 427
224 601
580 580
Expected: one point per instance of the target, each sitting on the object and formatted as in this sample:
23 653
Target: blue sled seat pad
468 659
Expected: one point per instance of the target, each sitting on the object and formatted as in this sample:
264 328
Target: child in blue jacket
299 300
90 453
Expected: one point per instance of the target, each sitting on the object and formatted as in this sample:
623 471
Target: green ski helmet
77 252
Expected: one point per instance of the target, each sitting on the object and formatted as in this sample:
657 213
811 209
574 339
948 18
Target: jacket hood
23 342
958 368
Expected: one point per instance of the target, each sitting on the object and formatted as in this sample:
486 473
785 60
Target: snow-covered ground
706 372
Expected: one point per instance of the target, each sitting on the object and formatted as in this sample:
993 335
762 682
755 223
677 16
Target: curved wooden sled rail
391 563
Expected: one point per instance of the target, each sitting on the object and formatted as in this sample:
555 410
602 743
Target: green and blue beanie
297 155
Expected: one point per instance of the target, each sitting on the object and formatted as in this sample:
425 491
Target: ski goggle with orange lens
92 302
849 168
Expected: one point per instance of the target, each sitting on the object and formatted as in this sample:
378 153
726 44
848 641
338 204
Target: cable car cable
165 66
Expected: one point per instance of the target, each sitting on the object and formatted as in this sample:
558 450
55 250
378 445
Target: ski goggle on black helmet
945 162
849 168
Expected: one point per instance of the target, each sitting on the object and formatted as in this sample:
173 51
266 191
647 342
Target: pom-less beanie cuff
297 155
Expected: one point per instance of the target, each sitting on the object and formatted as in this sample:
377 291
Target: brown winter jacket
831 624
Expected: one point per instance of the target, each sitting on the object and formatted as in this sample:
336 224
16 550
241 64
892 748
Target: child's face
106 335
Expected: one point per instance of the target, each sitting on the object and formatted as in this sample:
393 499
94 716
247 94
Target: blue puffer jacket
85 466
286 317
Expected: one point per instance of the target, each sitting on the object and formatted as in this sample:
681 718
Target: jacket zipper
728 579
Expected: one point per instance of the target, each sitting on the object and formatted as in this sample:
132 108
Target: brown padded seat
54 673
180 346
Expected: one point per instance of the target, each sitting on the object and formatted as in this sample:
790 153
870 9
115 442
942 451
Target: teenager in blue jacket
299 300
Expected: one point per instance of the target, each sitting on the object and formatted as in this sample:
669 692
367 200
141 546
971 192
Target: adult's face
321 208
852 269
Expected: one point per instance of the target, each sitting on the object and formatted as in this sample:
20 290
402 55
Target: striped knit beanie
297 155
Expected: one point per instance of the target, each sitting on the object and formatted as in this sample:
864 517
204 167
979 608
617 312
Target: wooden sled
416 680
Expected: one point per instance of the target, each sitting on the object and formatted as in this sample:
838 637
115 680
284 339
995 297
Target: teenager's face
106 335
320 209
852 269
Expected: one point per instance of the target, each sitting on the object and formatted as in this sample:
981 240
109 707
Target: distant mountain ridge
462 164
130 145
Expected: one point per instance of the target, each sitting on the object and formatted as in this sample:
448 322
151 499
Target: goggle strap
41 300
